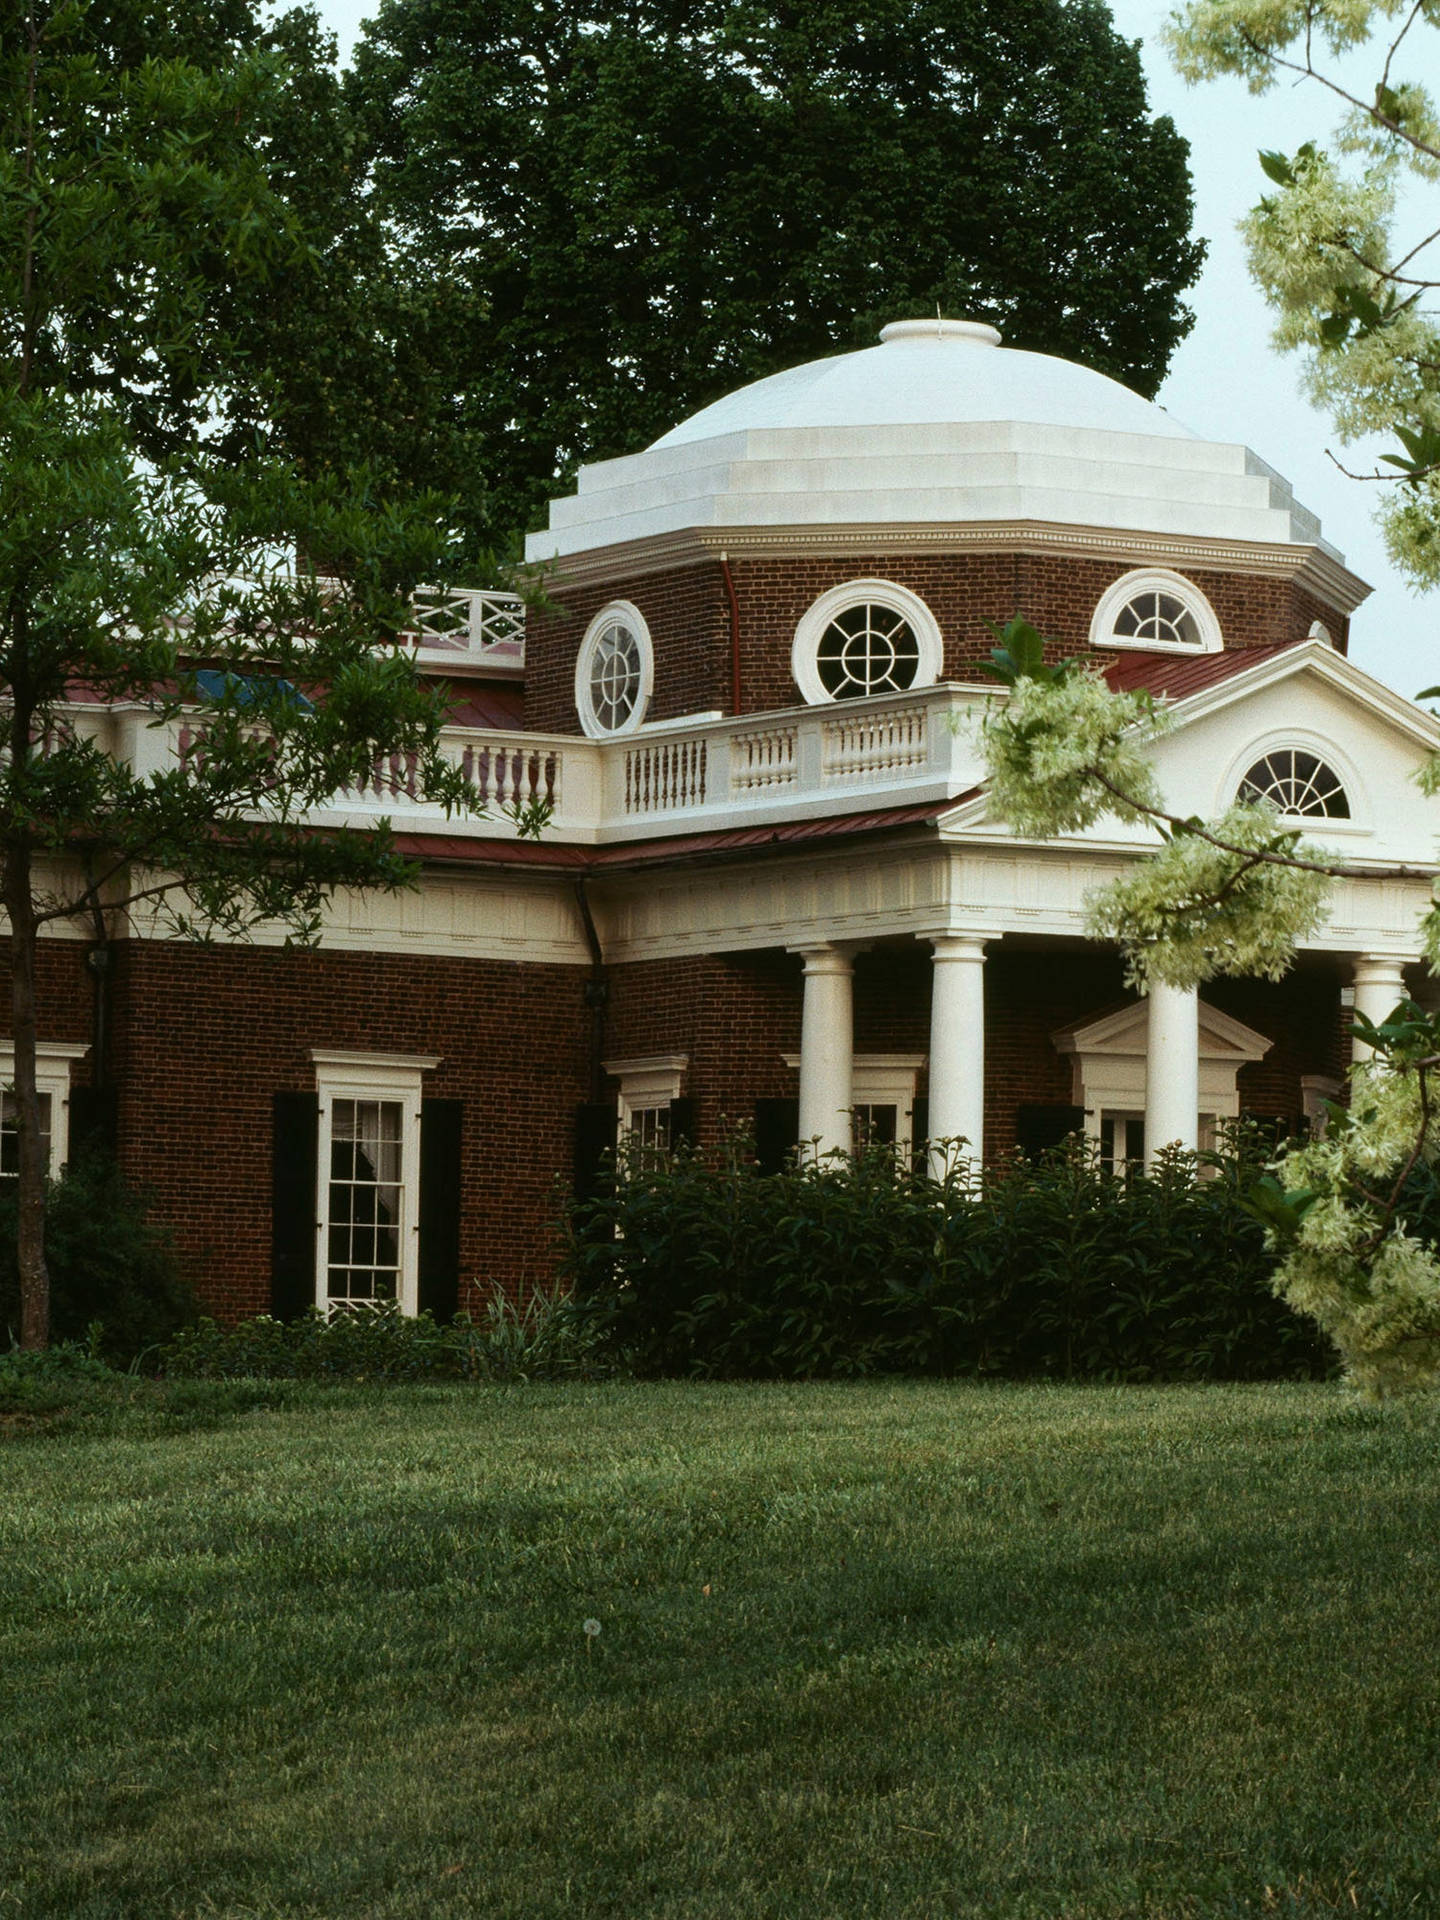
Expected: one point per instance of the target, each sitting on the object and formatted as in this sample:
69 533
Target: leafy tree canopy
155 216
617 213
1347 246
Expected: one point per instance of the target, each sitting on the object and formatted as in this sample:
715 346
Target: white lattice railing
478 624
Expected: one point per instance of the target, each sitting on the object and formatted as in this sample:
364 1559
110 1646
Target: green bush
109 1262
44 1381
545 1336
701 1265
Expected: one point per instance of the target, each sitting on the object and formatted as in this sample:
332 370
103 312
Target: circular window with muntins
1297 782
867 649
614 671
866 637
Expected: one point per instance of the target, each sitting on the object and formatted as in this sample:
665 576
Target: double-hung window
368 1190
52 1083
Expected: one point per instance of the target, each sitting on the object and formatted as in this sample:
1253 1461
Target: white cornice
1313 566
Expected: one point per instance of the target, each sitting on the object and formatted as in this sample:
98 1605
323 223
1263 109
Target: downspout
729 579
597 991
97 965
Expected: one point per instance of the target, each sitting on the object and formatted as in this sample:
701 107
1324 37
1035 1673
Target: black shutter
1039 1129
93 1128
440 1207
682 1123
295 1134
777 1132
920 1133
596 1122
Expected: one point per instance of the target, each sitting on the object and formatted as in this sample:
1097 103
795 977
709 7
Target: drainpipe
729 579
97 965
597 991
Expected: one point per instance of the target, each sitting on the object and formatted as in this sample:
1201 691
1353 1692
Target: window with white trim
882 1095
53 1060
1298 782
1158 610
866 637
649 1087
369 1179
614 671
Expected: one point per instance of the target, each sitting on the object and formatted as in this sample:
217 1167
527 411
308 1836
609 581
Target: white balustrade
762 758
663 775
863 746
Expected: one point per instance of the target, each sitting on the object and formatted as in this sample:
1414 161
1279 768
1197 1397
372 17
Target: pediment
1123 1030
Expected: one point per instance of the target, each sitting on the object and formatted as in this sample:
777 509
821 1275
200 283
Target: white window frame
805 648
1155 580
54 1060
649 1083
614 613
372 1076
1302 740
884 1080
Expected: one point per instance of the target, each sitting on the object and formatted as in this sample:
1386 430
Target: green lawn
880 1650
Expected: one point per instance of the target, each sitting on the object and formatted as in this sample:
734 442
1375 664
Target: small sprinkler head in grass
592 1629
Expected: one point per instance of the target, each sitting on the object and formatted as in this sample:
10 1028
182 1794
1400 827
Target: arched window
614 672
1297 782
1157 609
866 637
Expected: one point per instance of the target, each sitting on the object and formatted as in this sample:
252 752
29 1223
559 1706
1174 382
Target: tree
146 529
1345 248
627 210
1352 1215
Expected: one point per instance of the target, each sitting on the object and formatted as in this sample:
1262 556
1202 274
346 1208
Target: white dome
931 373
938 434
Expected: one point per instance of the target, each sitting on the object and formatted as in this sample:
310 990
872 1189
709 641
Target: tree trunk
30 1238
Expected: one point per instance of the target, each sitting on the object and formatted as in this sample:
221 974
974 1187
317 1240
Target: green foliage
701 1265
543 1337
45 1381
113 1275
616 214
1341 250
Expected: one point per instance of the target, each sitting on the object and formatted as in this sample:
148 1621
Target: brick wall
687 612
204 1036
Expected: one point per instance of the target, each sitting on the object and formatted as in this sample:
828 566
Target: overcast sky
1225 382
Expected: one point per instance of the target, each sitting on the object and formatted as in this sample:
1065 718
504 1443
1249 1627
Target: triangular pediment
1123 1030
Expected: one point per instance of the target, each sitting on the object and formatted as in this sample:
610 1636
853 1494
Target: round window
1297 782
614 671
1157 620
867 649
866 637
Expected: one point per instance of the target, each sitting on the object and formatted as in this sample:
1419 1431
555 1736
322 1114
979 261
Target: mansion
772 894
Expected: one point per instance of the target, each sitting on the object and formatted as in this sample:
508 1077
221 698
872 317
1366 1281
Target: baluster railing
761 758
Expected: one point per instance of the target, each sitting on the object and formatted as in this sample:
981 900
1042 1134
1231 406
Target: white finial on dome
975 332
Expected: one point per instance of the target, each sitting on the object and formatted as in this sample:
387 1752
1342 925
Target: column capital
828 956
1366 967
958 946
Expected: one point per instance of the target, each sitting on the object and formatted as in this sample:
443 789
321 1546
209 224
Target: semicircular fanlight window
1297 782
1157 620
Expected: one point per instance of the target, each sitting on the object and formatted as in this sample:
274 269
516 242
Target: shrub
701 1265
545 1336
47 1380
109 1263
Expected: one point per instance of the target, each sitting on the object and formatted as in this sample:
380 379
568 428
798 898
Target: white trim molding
1155 580
649 1083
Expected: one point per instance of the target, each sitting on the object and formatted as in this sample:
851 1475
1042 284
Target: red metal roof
1179 674
548 853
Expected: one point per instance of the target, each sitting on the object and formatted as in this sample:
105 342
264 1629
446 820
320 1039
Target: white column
1379 989
827 1051
1172 1070
957 1047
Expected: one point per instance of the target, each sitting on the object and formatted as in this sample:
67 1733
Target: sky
1226 382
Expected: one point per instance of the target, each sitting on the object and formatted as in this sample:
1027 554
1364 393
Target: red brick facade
687 611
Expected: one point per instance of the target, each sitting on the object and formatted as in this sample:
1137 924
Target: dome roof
931 373
937 435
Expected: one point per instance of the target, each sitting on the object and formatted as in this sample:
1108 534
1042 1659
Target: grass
878 1650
